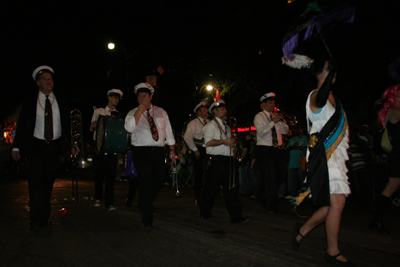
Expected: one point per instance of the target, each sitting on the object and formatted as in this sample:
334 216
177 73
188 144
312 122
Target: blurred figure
297 147
246 178
389 117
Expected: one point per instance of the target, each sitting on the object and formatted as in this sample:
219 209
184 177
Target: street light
207 86
111 46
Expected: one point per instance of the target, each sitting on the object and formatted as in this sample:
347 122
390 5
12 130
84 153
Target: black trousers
217 174
105 168
43 165
273 169
198 169
150 167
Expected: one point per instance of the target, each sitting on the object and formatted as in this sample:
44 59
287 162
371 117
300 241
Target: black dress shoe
377 224
296 232
240 220
334 260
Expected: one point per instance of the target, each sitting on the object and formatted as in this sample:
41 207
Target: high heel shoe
334 260
296 232
377 224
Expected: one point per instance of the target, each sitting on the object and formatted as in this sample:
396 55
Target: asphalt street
89 236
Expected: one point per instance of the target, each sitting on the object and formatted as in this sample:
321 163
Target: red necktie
153 127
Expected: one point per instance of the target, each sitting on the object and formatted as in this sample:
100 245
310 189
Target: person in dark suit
43 130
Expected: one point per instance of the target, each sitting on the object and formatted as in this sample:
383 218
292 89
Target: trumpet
290 120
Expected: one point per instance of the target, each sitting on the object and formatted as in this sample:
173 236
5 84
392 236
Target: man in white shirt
42 136
219 146
105 165
269 127
151 131
195 140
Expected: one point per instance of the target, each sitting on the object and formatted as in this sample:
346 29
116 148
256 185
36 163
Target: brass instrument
289 120
235 156
174 177
77 139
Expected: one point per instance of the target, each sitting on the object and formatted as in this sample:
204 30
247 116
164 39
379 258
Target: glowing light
209 87
111 46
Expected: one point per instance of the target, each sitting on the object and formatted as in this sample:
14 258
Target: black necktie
274 135
48 121
153 127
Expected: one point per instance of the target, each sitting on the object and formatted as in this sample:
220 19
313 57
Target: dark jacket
26 125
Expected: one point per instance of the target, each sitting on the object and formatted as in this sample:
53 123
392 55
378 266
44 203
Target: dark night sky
190 40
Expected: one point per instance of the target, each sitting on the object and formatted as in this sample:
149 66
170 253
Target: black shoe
128 202
378 225
240 220
296 232
334 260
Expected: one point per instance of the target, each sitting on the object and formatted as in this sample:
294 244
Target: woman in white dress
326 162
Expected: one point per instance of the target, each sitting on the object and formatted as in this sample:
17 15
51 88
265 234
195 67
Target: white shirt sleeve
188 136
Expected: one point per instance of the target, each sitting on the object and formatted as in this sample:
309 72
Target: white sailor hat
200 105
39 70
144 87
217 104
267 96
115 91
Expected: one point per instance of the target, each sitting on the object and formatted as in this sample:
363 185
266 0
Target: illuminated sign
244 129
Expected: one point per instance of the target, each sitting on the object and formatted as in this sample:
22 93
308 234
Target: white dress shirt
141 133
194 130
40 114
212 132
264 125
103 112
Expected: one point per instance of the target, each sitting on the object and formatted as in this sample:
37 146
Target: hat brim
144 90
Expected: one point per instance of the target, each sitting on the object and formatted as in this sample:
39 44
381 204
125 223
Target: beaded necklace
220 129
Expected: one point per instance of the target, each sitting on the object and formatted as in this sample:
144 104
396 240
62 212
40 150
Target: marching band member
219 146
42 134
269 127
151 130
194 138
105 165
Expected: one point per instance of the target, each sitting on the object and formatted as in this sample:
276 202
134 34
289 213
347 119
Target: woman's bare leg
332 224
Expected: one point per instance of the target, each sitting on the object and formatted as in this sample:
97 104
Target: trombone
77 139
291 121
174 177
233 156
